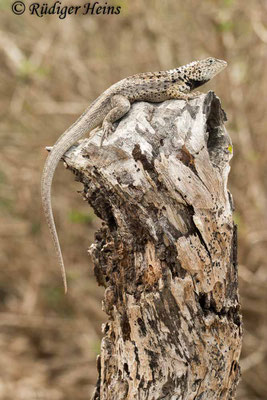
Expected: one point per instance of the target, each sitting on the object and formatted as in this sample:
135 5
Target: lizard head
199 72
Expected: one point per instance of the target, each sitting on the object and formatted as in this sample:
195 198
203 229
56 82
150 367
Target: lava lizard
112 105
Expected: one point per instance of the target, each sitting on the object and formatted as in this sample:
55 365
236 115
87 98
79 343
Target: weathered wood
166 253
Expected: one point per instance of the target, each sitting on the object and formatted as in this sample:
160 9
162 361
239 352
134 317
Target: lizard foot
191 96
108 128
194 95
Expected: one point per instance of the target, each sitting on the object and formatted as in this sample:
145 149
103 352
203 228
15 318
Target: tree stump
166 252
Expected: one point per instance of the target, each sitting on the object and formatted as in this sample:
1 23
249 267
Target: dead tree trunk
166 254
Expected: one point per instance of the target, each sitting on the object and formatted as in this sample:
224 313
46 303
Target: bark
166 252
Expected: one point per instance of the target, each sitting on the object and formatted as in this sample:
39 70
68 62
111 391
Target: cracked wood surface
166 253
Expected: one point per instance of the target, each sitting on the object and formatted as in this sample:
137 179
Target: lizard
112 105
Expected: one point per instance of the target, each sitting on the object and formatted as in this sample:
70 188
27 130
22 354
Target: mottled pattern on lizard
113 104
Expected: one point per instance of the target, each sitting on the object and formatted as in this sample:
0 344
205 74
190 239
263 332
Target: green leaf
228 3
226 26
80 217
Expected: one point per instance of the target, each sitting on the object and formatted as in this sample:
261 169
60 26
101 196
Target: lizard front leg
181 91
193 95
120 106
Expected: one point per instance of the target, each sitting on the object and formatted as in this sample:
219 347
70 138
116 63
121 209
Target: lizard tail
46 183
65 141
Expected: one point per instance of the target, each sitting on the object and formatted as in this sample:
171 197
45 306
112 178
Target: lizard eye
211 61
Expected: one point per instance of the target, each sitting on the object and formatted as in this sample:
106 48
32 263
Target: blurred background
51 69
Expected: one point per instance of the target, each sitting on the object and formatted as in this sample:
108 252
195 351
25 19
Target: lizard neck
181 75
193 83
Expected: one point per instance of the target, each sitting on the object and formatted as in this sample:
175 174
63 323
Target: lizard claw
193 95
108 128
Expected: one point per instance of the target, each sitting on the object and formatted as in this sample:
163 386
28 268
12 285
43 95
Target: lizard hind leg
120 106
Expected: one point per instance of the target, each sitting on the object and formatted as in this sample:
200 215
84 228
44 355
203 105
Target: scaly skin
113 104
